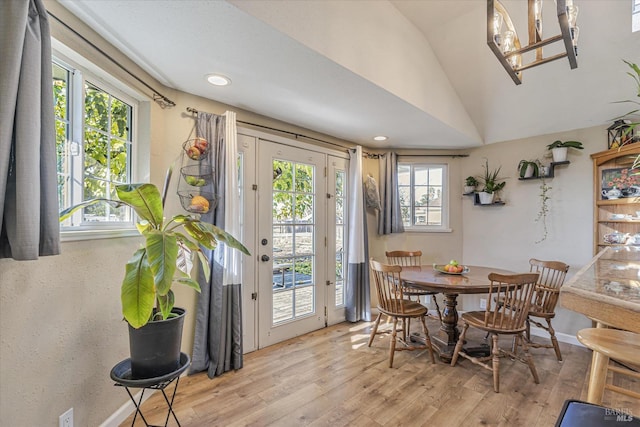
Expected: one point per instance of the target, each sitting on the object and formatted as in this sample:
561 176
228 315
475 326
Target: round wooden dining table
474 281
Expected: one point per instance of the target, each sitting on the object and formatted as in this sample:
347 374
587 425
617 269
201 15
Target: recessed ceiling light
218 80
380 138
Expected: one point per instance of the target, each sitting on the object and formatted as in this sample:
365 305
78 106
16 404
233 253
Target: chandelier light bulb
508 42
572 15
575 32
497 28
537 11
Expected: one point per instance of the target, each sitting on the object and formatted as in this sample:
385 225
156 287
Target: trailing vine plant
544 209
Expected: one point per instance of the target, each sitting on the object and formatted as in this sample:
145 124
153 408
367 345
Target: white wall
505 236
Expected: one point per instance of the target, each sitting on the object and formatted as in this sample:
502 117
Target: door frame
250 284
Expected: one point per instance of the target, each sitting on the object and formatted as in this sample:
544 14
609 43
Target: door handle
264 258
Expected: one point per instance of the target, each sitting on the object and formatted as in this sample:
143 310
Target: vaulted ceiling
417 71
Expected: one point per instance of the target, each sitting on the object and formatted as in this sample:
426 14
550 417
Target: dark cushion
576 413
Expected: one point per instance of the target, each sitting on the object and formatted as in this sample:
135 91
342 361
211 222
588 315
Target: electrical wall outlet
66 419
427 299
483 303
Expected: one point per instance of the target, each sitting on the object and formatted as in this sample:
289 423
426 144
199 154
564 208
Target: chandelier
503 39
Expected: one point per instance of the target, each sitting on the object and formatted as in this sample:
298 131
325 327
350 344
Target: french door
336 238
291 241
293 222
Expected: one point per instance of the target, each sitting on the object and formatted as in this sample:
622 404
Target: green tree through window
92 168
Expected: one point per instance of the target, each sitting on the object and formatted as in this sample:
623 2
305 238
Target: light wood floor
331 378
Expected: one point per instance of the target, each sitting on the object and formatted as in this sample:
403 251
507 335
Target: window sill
77 235
427 230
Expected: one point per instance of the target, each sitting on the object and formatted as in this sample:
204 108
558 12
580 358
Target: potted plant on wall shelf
559 149
164 259
491 184
470 184
528 168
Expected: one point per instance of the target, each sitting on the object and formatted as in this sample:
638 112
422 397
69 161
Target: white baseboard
561 336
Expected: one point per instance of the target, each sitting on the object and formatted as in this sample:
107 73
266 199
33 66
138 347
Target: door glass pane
293 240
304 301
304 178
303 271
282 208
282 305
282 273
340 192
304 239
282 175
304 208
282 241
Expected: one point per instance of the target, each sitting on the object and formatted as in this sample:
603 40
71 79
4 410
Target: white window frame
82 70
444 226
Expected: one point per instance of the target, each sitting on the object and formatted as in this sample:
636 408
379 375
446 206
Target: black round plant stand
121 374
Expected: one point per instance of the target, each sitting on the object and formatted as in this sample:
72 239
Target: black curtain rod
195 111
365 153
162 100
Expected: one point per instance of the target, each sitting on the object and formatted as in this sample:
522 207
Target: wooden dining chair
392 302
507 309
412 258
545 299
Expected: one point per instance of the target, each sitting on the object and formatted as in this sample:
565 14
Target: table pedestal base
445 340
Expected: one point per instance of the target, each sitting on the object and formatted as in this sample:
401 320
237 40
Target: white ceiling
417 71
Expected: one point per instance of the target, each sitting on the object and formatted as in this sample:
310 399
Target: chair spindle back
404 258
388 288
510 307
552 275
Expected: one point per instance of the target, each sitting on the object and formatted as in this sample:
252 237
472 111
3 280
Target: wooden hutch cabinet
617 198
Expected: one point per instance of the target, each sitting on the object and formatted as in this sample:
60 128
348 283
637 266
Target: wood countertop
607 289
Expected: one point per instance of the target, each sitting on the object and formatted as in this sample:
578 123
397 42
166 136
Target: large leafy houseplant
632 116
165 257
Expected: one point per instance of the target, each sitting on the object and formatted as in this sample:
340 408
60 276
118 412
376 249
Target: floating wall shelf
476 200
551 171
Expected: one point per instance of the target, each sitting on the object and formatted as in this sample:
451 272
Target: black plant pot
155 347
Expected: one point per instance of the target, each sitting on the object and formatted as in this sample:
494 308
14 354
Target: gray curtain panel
390 217
28 180
358 295
357 290
217 346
